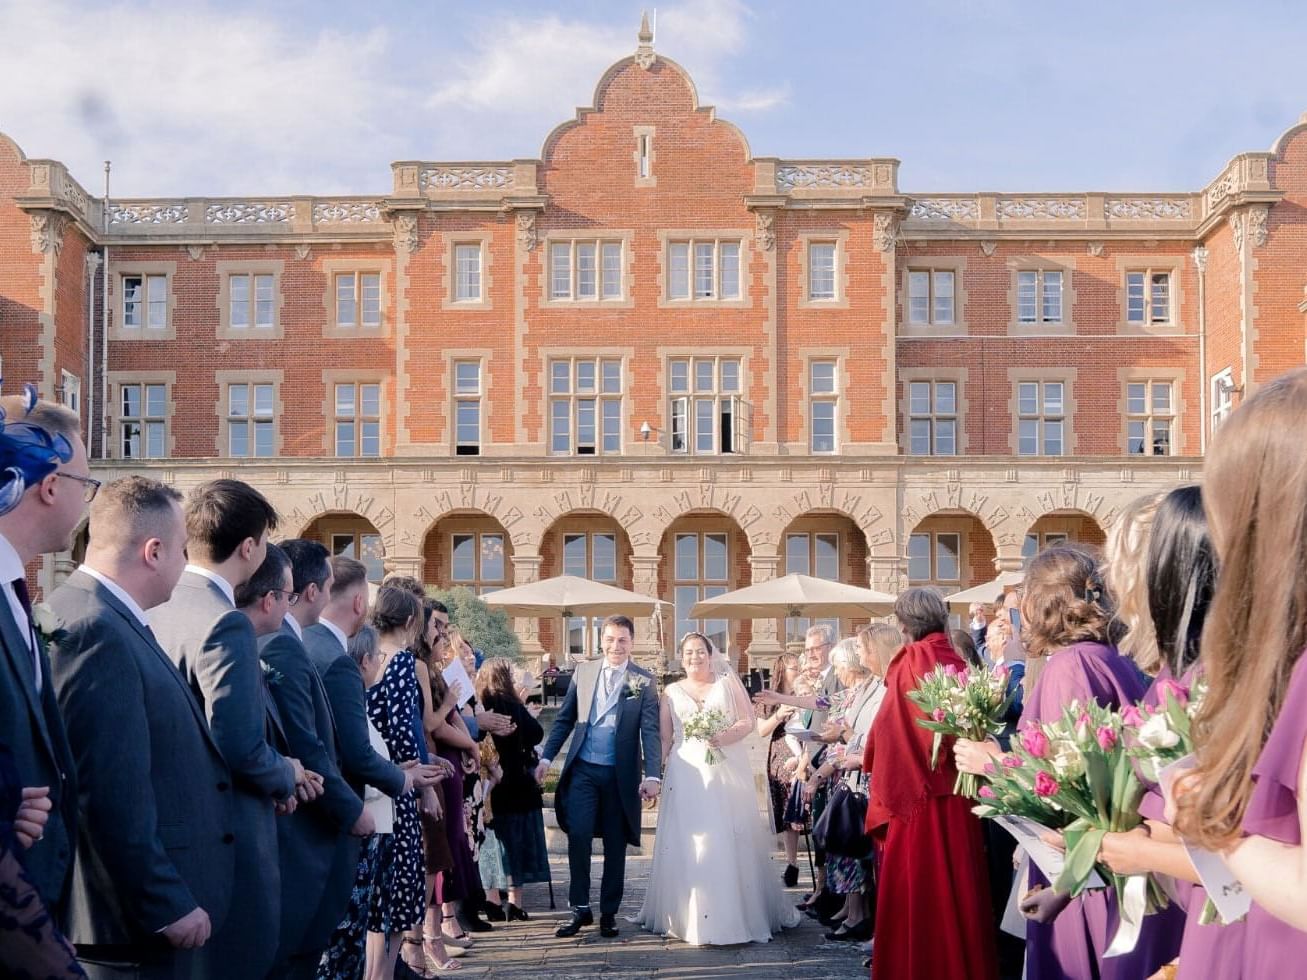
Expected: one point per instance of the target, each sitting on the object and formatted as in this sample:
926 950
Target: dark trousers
593 804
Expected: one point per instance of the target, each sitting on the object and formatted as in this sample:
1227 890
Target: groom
611 711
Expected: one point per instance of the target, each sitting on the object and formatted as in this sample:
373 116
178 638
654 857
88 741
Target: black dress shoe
859 933
474 923
493 912
791 876
607 926
515 914
580 917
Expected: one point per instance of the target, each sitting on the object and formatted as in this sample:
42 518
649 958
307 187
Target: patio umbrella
795 595
568 596
987 592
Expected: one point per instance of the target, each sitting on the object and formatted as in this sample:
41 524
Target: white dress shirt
11 567
228 589
295 627
338 633
118 593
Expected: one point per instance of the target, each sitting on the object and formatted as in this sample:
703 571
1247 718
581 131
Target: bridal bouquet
967 704
1077 775
703 725
1160 736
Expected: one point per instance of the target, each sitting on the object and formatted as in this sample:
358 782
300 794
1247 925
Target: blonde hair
1126 575
1255 484
883 640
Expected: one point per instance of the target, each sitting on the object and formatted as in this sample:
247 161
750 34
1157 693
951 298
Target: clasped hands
308 787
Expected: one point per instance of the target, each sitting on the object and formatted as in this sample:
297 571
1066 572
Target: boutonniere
635 685
270 674
47 624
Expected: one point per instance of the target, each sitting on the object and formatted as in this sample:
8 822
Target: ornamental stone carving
526 230
644 53
1148 208
1237 229
248 212
1095 249
945 209
766 230
345 212
1257 233
885 229
835 176
406 232
1200 258
1042 208
1225 185
196 252
465 178
148 214
48 233
987 248
303 251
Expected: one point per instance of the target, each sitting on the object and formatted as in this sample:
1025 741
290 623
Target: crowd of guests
219 758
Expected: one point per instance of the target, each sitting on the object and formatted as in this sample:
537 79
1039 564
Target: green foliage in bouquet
969 704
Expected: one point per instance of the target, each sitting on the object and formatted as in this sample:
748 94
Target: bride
713 881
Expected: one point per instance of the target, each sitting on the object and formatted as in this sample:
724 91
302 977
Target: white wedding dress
713 882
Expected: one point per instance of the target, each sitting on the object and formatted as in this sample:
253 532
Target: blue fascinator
28 453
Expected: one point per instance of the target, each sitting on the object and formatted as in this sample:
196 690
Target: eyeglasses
291 597
90 486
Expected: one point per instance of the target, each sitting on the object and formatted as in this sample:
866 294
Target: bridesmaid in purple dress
1242 799
1181 575
1068 624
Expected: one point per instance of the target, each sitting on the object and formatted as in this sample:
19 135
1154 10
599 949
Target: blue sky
319 97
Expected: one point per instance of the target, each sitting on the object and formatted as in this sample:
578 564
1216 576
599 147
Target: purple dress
1213 950
1071 945
1273 948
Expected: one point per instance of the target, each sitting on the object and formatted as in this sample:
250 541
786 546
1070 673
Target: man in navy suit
44 489
155 840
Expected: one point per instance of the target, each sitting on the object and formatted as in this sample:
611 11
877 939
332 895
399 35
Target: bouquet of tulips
1077 775
1160 736
704 725
970 703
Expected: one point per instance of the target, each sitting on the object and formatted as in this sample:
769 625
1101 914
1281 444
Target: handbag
841 827
796 810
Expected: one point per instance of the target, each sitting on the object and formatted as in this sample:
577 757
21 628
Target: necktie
19 586
609 676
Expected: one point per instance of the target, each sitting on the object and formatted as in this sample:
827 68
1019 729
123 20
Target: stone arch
951 549
704 552
423 509
597 103
593 557
823 542
730 503
467 547
870 511
351 534
1072 525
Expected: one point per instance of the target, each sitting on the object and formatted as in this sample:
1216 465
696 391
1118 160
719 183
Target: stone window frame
840 238
1221 408
842 385
474 527
703 586
224 381
599 236
1041 328
959 376
246 267
666 355
1135 374
466 355
933 534
483 240
333 267
1148 264
121 270
116 381
1068 376
334 376
625 356
644 139
935 263
793 628
70 390
669 236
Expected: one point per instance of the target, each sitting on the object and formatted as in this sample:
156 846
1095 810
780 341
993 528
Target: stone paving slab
530 951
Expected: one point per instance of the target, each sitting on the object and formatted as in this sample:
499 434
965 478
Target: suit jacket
215 648
33 730
638 743
308 838
155 796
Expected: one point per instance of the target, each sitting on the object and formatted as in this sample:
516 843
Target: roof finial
644 54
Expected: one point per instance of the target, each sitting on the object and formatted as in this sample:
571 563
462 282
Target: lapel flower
47 624
635 685
270 674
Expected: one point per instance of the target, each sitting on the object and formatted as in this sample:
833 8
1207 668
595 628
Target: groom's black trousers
593 803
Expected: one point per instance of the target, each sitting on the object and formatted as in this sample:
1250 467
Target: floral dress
399 888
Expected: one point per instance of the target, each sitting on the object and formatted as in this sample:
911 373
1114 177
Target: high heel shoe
515 914
494 913
791 876
847 934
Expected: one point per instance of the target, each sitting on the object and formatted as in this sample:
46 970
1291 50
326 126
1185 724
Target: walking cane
812 868
552 906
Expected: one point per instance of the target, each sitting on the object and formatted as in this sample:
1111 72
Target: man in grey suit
312 902
155 842
44 489
611 712
214 646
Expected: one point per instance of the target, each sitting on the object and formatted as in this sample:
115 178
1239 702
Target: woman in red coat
933 913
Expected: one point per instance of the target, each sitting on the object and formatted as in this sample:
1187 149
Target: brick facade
643 170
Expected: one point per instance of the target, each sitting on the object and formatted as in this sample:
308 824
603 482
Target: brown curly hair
1065 601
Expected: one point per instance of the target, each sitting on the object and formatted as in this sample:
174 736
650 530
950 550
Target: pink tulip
951 670
1084 719
989 769
938 714
1106 738
1132 716
1046 785
1178 692
1012 761
1035 742
986 793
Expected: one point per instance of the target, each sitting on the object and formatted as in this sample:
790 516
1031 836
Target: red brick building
650 357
